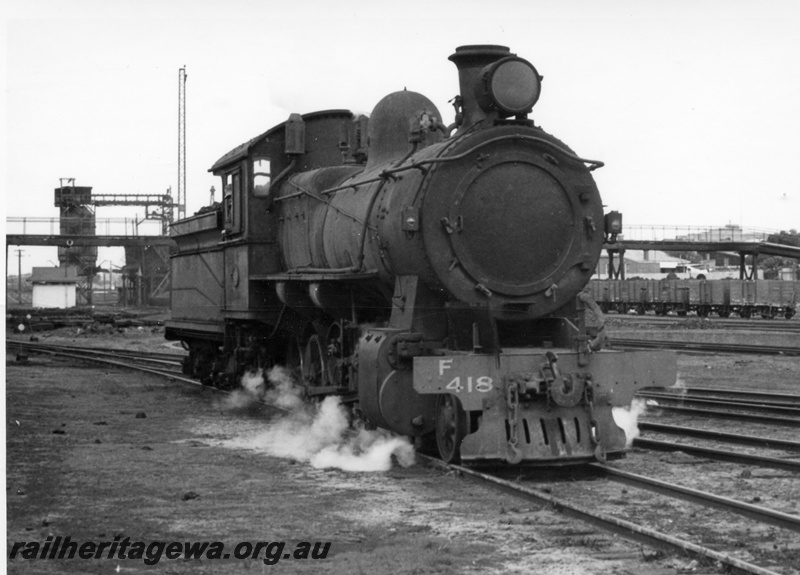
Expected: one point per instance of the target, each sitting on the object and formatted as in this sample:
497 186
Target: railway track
41 346
630 529
738 415
779 408
702 347
661 322
774 409
782 409
161 364
721 455
761 514
165 364
716 435
745 396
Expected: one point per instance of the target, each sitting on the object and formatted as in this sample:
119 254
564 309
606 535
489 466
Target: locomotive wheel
427 444
334 353
187 364
789 313
294 358
315 369
451 427
201 362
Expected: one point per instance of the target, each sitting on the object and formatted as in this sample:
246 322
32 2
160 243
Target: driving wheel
451 427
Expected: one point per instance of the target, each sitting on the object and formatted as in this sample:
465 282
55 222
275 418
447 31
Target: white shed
54 287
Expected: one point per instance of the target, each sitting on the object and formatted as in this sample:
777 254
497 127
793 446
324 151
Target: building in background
54 287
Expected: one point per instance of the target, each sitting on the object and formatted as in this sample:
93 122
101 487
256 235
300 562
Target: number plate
470 378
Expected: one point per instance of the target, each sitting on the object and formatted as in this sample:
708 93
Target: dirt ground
98 454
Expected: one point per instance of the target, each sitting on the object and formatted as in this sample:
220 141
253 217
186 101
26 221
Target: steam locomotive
432 276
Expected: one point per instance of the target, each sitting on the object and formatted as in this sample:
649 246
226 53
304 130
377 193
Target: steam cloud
252 390
627 418
319 434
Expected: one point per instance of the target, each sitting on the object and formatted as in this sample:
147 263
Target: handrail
83 226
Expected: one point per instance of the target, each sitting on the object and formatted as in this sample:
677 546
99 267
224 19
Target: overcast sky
693 105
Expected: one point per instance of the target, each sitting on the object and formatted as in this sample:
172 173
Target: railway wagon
430 275
747 298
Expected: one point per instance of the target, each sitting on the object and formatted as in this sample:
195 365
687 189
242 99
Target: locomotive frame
431 276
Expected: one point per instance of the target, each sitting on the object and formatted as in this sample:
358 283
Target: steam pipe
597 343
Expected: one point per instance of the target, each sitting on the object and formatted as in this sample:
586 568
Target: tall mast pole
182 143
19 275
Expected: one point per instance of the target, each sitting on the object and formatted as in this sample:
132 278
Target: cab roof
243 150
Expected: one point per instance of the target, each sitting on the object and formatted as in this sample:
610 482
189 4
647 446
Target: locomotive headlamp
511 85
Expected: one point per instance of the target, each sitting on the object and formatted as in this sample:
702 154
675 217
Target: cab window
261 175
232 202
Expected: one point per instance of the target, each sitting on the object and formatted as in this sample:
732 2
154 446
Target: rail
761 514
756 323
745 395
606 522
691 346
738 415
722 455
101 353
778 408
715 435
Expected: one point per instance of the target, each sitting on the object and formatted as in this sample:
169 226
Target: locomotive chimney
470 61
